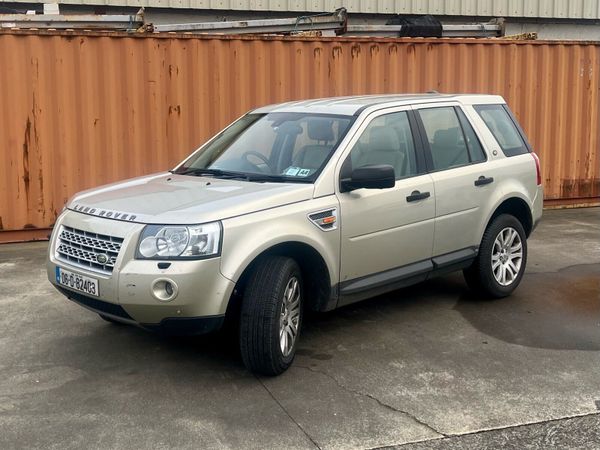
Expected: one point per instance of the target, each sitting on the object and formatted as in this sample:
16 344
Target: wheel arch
517 207
319 293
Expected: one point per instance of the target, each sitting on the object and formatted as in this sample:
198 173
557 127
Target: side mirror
370 177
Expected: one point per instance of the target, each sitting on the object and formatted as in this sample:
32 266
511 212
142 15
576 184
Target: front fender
246 237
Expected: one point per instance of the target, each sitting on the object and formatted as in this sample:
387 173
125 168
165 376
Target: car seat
312 156
383 148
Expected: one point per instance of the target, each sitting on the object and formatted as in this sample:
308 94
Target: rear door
386 234
455 159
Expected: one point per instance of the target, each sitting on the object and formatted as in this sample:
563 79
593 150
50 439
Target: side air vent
326 220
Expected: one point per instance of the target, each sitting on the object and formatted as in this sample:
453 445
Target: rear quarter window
503 128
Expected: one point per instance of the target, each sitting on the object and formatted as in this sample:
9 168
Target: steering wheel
258 155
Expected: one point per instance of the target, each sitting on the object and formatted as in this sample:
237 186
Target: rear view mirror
379 176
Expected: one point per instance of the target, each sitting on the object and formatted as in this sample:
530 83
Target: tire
499 266
108 319
266 312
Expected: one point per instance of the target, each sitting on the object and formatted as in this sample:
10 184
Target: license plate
77 282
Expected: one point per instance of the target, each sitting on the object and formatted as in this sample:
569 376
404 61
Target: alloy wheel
507 256
289 320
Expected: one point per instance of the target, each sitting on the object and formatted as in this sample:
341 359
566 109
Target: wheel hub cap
507 256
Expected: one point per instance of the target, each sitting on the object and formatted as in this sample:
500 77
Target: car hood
166 198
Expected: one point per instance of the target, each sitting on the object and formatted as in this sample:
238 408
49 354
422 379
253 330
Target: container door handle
416 196
481 181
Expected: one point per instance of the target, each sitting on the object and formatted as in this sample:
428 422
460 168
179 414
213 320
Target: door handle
481 181
416 196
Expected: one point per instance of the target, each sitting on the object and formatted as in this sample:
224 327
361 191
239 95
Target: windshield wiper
256 177
215 172
276 178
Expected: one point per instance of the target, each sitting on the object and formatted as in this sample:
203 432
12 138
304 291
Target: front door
386 233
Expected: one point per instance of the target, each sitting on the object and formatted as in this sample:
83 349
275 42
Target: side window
445 136
503 128
387 140
475 149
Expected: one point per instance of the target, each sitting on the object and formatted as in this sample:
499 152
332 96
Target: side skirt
358 289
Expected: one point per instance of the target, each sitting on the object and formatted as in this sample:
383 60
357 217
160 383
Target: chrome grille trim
82 248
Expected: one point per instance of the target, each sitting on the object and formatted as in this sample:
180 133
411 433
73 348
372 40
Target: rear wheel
271 315
500 264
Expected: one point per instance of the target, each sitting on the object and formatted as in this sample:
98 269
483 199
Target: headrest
383 139
320 129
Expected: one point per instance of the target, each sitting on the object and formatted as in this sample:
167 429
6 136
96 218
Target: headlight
179 241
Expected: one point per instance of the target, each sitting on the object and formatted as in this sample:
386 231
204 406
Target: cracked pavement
425 367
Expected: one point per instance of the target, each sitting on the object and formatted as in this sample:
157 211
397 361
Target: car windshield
278 146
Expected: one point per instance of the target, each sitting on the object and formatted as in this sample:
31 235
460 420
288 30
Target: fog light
164 289
169 288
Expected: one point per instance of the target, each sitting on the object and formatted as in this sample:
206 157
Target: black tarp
417 26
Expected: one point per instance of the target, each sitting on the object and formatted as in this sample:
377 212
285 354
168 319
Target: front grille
88 250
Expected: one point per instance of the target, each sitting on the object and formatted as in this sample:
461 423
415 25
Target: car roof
356 104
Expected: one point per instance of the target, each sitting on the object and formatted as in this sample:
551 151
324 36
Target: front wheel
271 315
500 264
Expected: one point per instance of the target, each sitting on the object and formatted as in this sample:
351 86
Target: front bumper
172 326
126 294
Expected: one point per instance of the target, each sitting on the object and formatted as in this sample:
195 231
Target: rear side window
503 128
445 137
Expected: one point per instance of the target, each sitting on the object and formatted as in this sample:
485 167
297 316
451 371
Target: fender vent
326 220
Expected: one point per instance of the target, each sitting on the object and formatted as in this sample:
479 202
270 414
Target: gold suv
307 205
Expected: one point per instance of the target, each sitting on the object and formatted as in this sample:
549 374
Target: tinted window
445 136
387 140
475 149
503 128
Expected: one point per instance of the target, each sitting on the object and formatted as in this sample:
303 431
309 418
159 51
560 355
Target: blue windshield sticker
292 171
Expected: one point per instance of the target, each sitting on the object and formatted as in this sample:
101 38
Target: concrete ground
427 367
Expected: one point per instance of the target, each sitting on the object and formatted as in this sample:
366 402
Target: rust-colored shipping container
79 109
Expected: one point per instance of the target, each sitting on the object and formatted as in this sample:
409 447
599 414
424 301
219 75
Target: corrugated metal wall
563 9
80 110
